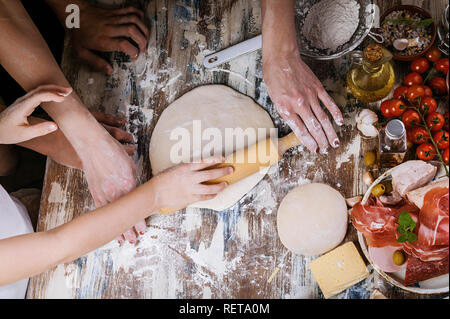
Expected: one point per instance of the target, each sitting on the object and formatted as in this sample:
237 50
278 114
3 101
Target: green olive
369 159
388 187
378 190
398 258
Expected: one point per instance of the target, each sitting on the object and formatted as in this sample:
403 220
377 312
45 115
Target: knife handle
230 53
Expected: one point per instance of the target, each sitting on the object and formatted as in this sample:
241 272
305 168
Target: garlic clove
367 178
366 116
367 130
353 200
364 122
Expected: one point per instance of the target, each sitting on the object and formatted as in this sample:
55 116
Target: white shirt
14 221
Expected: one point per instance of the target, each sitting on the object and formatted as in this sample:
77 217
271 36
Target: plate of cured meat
405 235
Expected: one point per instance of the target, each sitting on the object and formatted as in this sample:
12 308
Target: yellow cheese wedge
339 269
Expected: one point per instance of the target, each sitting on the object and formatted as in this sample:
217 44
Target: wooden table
201 253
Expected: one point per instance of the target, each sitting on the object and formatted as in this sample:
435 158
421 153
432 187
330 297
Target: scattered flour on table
350 150
57 194
192 220
331 23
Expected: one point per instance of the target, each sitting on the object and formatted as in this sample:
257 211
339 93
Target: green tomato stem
431 138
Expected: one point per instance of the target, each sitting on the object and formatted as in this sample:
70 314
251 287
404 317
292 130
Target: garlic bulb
365 121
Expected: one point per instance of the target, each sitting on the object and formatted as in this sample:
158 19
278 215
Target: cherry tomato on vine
426 152
442 65
438 84
397 107
419 135
446 124
420 65
442 139
385 108
413 78
435 121
445 156
433 55
415 91
411 118
428 105
428 92
400 92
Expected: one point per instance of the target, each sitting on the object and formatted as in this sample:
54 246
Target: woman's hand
292 86
182 185
107 30
14 125
296 92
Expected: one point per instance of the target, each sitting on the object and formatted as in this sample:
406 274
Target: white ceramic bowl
367 13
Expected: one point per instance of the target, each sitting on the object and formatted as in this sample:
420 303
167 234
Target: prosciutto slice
433 218
378 223
432 242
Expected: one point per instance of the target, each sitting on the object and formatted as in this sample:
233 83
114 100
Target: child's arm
57 146
108 169
28 255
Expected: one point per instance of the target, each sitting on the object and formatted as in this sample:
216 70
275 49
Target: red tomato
433 55
428 105
428 92
442 65
438 84
411 118
420 65
445 156
400 92
426 152
446 124
397 107
385 108
442 139
413 78
419 135
435 121
415 91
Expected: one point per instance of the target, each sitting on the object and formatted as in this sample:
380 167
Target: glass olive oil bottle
371 75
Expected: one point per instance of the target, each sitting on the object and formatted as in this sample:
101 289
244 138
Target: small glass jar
392 144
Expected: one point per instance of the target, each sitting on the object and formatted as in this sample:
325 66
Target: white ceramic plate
436 285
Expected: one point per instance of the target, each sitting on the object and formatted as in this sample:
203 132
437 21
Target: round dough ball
215 106
312 219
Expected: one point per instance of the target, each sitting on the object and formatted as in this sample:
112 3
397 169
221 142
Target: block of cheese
339 269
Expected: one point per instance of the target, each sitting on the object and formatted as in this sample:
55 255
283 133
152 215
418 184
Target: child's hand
182 185
14 126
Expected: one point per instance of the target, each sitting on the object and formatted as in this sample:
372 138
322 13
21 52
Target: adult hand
108 30
14 125
182 185
296 92
56 145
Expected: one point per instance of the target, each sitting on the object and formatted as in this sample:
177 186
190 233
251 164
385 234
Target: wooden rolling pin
247 162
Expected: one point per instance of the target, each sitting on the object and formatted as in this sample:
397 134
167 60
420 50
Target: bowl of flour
329 29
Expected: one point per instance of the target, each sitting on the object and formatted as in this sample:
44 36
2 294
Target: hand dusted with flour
294 89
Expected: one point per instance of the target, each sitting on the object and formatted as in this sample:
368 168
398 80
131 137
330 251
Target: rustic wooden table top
201 253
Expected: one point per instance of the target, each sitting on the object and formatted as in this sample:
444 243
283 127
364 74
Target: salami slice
418 270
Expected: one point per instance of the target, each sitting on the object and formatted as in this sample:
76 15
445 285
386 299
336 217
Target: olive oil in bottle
371 76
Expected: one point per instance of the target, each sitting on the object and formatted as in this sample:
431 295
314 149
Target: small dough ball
312 219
